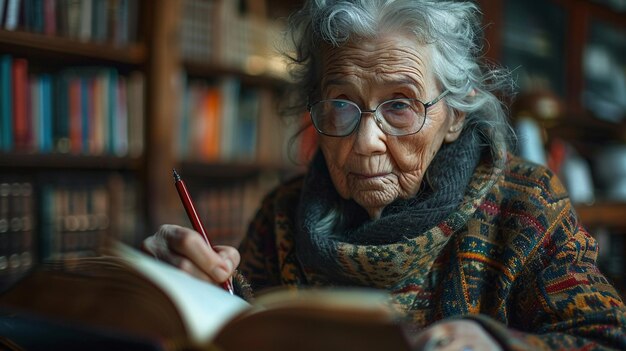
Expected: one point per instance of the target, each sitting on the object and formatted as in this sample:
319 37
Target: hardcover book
131 293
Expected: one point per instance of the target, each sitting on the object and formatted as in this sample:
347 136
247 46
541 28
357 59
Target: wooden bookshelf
604 214
35 161
198 69
103 181
60 47
234 170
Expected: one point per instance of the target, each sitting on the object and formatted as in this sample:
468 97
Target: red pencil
194 218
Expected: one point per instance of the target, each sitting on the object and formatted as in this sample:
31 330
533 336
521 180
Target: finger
459 335
437 338
184 265
157 244
190 244
230 253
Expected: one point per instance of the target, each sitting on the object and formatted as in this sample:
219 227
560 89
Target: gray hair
450 28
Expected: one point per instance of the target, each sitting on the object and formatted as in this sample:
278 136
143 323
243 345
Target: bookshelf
209 78
93 185
72 139
556 47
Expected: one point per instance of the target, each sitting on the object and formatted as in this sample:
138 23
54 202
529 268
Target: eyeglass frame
427 105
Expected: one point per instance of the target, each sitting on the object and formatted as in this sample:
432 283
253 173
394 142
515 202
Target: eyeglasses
397 117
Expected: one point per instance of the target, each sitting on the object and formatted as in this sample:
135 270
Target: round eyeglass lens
403 116
335 117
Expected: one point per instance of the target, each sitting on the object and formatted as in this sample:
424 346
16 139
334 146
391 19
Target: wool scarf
338 244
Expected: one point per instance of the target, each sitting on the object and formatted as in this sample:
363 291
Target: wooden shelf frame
57 161
610 215
132 54
211 70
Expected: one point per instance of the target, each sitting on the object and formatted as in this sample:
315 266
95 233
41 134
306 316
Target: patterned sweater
521 265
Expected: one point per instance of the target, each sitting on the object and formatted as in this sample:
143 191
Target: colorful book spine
20 103
110 112
6 103
12 14
86 103
46 114
61 116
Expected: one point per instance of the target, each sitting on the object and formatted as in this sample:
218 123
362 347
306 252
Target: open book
133 293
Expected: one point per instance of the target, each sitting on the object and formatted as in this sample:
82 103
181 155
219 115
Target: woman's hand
186 249
458 335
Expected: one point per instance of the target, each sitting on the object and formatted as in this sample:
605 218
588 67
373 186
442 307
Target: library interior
101 99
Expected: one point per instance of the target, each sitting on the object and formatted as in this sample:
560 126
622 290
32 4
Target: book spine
86 109
75 115
16 213
211 111
50 17
86 17
110 105
230 90
46 114
73 18
12 14
34 113
120 116
97 91
112 18
2 11
45 243
27 247
246 128
136 110
132 22
121 32
99 21
61 114
182 127
20 103
5 249
6 103
37 16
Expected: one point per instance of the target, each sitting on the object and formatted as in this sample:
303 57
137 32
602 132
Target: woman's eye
337 104
398 105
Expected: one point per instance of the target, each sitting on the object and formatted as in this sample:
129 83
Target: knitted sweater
521 265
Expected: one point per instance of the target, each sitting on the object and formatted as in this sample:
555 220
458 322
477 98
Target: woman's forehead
389 59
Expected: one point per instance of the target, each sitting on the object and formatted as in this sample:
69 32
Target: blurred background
101 99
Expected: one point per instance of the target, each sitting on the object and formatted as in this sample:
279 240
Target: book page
203 307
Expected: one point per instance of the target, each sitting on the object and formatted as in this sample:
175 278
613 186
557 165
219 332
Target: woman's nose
370 139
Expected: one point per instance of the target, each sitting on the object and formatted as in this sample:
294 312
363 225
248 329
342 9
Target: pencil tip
176 176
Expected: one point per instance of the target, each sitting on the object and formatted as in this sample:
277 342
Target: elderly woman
415 191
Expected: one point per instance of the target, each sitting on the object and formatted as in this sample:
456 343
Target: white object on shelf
577 178
530 140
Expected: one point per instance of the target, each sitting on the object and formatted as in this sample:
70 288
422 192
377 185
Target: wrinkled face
369 166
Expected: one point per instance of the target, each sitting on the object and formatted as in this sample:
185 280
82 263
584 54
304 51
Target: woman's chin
374 201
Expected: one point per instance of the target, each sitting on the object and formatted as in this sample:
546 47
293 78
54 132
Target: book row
67 218
17 252
82 110
220 32
110 21
75 221
225 121
78 216
227 208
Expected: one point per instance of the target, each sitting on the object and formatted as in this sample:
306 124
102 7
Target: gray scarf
330 227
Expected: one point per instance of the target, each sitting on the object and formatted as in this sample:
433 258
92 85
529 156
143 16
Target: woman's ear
456 127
